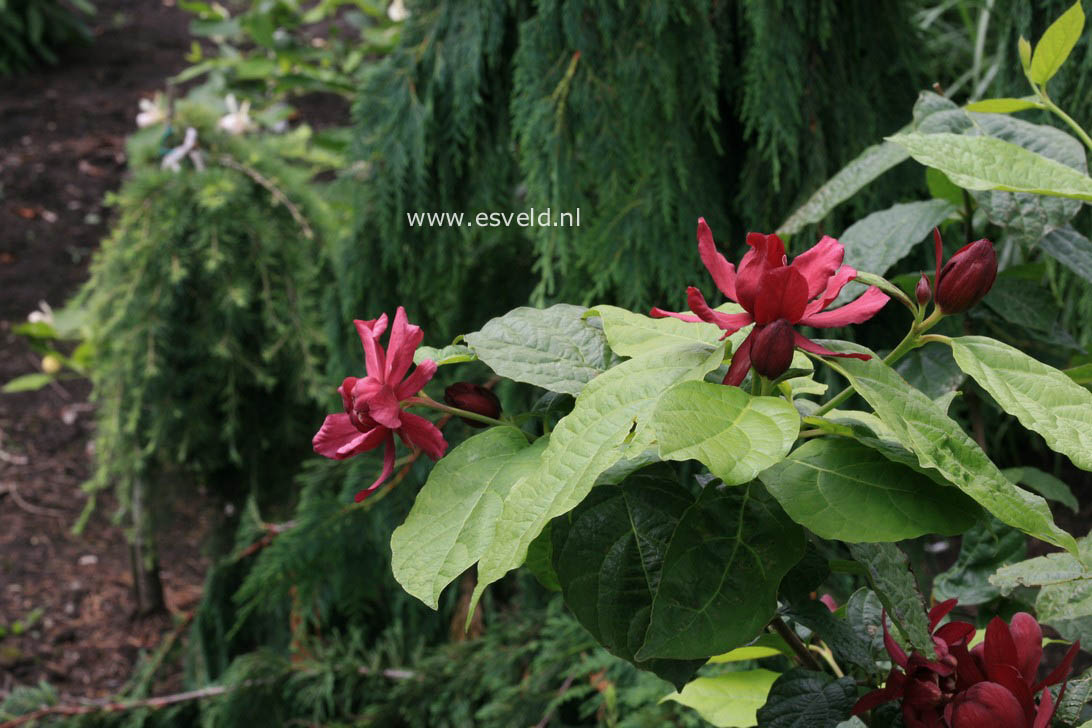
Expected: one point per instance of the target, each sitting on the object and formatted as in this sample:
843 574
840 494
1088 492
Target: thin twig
11 490
787 634
279 196
549 714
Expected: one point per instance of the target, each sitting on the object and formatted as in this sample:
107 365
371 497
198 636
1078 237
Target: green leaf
1044 484
940 444
1004 106
1022 303
609 423
1080 374
1067 607
1077 692
1041 397
451 354
864 614
765 645
889 571
1071 249
1024 49
850 647
1056 44
735 435
878 241
553 348
986 163
807 699
985 548
729 700
941 188
608 555
721 573
631 334
862 170
1052 569
806 576
26 383
540 556
842 490
932 370
456 512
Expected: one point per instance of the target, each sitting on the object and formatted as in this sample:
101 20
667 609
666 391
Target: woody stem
802 652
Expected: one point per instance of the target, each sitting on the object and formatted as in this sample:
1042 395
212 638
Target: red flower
775 293
990 686
967 276
473 398
373 404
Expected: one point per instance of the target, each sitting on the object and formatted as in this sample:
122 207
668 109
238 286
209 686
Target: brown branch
278 195
802 652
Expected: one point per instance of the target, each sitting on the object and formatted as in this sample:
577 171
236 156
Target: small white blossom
397 11
151 112
173 158
44 314
237 120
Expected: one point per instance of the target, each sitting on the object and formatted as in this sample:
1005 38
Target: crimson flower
776 295
373 404
967 276
992 685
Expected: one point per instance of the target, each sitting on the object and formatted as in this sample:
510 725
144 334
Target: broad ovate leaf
631 334
807 699
456 512
553 348
729 700
1044 399
1056 44
732 433
894 583
842 490
939 443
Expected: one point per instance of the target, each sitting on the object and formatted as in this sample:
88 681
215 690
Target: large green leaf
735 435
631 334
865 615
608 555
1056 568
939 443
450 354
609 423
840 489
932 370
1044 484
806 699
721 573
1023 303
729 700
878 241
1041 397
867 166
986 163
1071 249
1056 44
553 348
456 512
894 583
983 550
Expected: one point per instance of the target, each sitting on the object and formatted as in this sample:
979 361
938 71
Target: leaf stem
807 659
424 399
1053 107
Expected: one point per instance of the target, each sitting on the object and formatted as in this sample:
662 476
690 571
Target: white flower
44 314
237 120
173 159
150 113
397 11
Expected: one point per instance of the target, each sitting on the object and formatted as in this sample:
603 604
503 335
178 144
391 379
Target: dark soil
61 150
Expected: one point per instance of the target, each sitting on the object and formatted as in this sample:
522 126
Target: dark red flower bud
924 291
771 350
966 277
473 398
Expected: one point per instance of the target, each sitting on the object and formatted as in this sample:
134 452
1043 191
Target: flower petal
987 705
375 360
1028 637
1046 709
1000 648
835 284
1061 672
802 342
416 381
366 441
336 432
404 340
768 253
660 313
416 431
898 655
940 611
818 263
388 468
723 272
375 399
741 362
346 392
783 294
730 322
892 690
955 633
855 312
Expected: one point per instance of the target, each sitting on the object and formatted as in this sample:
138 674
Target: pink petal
898 655
388 468
855 312
374 357
418 432
818 263
741 363
835 284
660 313
369 440
346 392
405 338
802 342
336 431
1028 637
730 322
723 272
417 381
783 295
940 611
768 253
379 402
955 633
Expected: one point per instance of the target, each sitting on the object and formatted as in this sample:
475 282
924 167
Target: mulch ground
62 133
